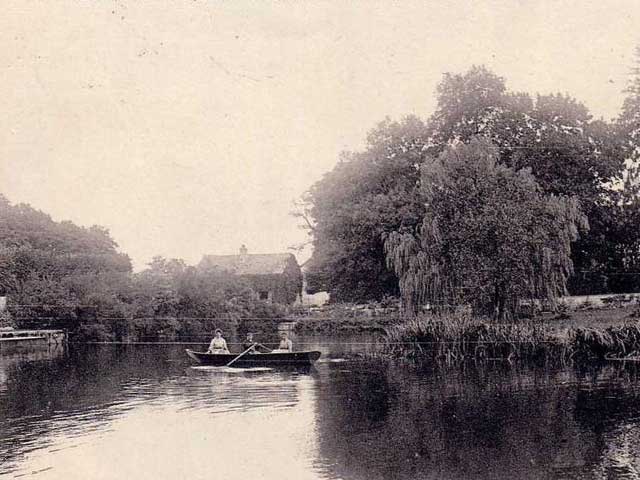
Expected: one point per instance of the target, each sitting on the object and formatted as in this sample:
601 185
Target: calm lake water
114 412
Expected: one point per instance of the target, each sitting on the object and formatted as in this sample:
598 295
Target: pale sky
189 127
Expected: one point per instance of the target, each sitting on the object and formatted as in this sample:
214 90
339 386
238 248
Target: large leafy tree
489 237
367 195
57 273
567 151
554 135
373 192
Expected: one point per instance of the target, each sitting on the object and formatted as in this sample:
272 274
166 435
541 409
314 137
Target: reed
456 337
615 341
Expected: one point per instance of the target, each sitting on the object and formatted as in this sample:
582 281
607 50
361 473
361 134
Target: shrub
618 341
93 332
457 338
5 319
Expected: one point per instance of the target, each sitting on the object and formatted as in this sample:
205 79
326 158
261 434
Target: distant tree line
497 196
59 275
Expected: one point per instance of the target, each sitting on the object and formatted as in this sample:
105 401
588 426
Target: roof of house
249 264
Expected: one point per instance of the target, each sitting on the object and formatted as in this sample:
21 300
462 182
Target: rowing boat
256 359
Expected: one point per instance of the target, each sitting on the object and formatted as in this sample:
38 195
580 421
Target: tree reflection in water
487 421
353 420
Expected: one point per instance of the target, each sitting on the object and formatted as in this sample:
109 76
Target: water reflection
124 412
481 422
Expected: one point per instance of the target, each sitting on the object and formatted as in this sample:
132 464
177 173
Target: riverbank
589 318
339 319
598 335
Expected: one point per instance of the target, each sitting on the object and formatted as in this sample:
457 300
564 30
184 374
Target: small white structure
3 303
314 299
311 299
600 300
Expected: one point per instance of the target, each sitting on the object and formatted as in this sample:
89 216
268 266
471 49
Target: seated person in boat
218 344
285 345
250 342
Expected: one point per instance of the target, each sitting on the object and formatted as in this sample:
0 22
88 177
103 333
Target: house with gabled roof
274 277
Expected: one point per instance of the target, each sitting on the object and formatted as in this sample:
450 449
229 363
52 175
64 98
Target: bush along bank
458 337
339 319
343 325
615 343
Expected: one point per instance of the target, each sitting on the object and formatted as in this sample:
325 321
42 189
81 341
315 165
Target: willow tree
489 238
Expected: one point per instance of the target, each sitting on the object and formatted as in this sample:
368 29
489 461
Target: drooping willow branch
489 237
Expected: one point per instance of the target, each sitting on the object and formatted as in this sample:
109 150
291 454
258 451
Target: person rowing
249 342
218 344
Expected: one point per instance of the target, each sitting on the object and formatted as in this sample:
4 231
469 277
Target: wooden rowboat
256 359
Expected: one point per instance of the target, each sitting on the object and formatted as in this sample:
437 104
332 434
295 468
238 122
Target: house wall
283 288
264 283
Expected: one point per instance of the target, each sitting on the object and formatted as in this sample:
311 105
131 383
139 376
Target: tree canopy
490 236
51 268
374 192
60 275
365 196
626 213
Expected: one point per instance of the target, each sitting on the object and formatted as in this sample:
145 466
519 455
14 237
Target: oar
266 348
246 351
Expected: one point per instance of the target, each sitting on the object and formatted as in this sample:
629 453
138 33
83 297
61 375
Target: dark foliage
374 192
490 237
365 196
59 275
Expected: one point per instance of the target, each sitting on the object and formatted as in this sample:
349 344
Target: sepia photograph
320 239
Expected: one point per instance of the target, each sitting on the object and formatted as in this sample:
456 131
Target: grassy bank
460 337
342 318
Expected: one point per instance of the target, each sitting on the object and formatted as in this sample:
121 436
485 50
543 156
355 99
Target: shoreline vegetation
587 335
460 337
374 317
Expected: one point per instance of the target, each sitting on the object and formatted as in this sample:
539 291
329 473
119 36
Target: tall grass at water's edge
621 341
460 337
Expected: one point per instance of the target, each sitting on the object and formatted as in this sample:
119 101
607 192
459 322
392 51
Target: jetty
20 340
